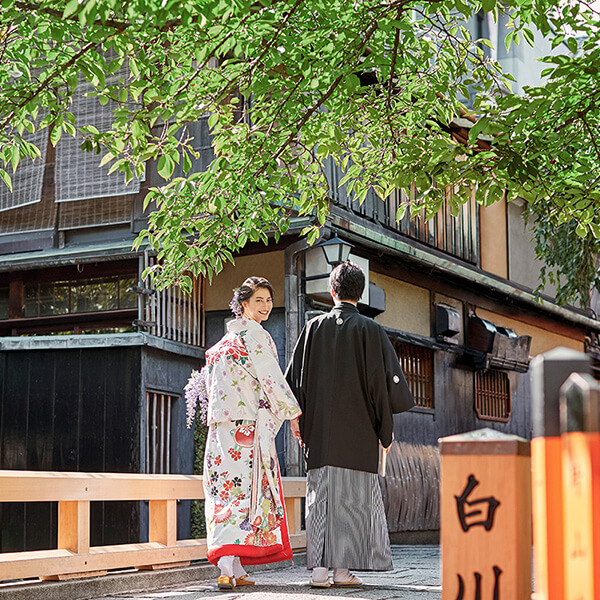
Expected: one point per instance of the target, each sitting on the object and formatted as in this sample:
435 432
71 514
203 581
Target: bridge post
548 372
580 426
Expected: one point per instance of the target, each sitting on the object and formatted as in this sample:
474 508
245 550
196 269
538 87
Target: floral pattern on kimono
243 370
244 507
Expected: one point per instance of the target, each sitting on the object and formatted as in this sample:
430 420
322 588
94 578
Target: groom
347 379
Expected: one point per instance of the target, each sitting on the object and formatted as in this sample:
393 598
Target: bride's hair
246 291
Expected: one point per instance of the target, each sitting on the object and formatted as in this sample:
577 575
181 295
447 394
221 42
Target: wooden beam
162 522
46 563
67 576
293 509
74 526
49 486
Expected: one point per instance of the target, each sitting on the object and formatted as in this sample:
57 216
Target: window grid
417 365
492 396
158 432
76 296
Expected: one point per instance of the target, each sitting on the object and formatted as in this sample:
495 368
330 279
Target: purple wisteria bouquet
196 396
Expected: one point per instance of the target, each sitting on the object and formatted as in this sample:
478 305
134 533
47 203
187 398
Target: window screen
492 395
417 365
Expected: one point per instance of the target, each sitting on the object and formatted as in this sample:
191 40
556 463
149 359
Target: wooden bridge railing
74 557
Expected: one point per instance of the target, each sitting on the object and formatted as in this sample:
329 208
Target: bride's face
259 306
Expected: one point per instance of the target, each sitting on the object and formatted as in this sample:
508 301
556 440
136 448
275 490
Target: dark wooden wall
71 410
454 412
168 373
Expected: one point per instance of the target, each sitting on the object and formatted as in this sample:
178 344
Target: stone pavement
416 576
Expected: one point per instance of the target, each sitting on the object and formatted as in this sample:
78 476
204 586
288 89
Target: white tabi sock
238 570
344 575
226 565
320 574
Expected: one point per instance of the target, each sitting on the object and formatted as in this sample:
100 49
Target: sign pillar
485 516
580 426
549 371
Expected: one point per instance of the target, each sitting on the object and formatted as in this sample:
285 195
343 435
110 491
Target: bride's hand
295 427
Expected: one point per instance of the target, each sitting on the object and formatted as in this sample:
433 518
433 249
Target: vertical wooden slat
498 412
167 301
186 325
161 452
201 306
293 511
163 313
74 526
177 312
175 300
162 522
160 314
154 312
182 315
191 301
179 309
193 311
168 437
171 334
148 425
154 417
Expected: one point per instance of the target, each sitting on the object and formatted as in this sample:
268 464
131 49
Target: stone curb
124 581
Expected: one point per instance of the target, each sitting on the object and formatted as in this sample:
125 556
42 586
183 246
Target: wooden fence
74 557
170 313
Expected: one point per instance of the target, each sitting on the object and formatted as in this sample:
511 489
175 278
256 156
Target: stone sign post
485 516
549 371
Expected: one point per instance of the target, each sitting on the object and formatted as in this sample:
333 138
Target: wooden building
456 295
93 361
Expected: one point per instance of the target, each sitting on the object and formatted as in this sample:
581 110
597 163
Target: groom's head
347 282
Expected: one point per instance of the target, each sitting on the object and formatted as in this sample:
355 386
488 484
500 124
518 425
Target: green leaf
186 162
6 178
71 8
106 159
529 37
55 134
166 166
213 120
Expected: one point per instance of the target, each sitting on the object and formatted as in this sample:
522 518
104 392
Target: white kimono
248 400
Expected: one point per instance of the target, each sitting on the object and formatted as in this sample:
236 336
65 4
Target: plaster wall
494 239
407 305
267 264
523 267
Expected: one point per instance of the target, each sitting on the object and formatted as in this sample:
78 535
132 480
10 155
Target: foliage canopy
291 84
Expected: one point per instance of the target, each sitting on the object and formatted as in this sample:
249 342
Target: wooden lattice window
158 432
492 395
417 365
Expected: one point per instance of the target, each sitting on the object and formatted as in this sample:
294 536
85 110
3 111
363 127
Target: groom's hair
347 281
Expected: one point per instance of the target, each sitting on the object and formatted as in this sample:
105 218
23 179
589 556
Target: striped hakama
345 521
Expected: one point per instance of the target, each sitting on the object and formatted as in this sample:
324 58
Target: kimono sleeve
293 373
401 398
388 388
263 354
